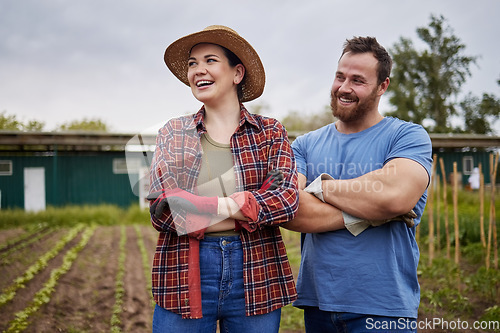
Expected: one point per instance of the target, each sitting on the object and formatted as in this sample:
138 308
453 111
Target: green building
57 169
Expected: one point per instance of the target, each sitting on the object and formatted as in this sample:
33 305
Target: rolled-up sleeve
267 149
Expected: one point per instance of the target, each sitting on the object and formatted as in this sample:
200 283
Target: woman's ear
239 74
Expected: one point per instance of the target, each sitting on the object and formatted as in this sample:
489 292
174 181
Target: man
372 167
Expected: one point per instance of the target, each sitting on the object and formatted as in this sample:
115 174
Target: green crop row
22 237
34 237
21 321
119 288
9 292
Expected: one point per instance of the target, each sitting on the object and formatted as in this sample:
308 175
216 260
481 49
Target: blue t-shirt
374 273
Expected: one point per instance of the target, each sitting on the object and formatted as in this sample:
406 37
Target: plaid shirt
259 145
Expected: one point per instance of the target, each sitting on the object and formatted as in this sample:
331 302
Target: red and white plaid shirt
259 145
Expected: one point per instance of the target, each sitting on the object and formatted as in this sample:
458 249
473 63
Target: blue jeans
222 294
317 321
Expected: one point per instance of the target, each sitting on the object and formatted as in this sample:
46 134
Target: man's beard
346 114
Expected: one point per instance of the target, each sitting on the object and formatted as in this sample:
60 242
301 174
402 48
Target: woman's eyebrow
206 56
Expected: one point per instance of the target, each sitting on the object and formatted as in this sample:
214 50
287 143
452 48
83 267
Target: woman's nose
201 69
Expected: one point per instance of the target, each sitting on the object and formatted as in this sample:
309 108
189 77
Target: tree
480 114
259 108
424 83
34 126
88 125
10 123
294 121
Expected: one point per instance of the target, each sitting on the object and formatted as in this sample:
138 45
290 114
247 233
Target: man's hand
406 218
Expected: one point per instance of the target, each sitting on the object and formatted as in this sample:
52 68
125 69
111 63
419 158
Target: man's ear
382 88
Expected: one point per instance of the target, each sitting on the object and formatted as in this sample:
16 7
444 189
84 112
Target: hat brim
177 54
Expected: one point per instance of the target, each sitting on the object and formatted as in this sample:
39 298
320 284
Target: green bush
486 283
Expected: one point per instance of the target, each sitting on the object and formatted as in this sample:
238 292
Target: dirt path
138 310
6 235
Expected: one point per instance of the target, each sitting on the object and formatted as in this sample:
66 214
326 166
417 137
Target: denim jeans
223 297
317 321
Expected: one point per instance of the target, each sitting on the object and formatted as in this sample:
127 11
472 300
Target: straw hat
177 54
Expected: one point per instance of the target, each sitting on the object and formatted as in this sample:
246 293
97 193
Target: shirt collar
245 117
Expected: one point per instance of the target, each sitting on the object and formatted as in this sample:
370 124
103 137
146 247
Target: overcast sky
69 60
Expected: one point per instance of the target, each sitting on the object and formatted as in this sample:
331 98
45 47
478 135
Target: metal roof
95 141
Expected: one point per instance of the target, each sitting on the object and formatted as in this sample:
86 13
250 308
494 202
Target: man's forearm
380 194
314 216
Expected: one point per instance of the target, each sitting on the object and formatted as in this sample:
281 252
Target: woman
222 181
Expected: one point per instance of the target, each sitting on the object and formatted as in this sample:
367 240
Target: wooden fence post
481 205
492 222
445 208
455 213
438 214
493 215
430 207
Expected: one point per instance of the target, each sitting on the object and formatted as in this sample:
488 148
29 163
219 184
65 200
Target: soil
10 234
84 297
138 308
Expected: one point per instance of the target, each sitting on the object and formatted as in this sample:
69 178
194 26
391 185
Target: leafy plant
120 284
486 283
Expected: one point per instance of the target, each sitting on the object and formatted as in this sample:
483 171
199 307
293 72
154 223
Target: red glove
196 225
177 198
248 204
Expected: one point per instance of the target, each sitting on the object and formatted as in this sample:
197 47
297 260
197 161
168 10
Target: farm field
83 298
68 271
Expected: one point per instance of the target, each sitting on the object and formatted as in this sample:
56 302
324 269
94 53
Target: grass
292 319
68 216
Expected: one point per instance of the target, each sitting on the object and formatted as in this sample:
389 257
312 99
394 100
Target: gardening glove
248 204
178 198
248 207
196 225
316 188
273 180
356 225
